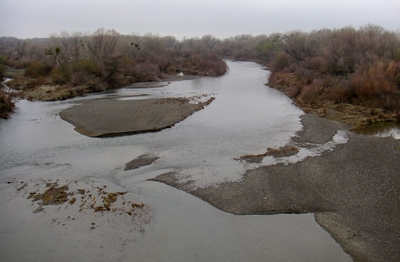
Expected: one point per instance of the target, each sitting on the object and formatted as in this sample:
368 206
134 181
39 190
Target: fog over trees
345 65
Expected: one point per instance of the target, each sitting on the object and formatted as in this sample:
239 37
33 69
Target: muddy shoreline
353 190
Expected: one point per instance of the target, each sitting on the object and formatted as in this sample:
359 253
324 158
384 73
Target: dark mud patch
142 160
285 151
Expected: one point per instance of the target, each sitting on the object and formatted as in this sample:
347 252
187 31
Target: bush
36 82
397 54
341 93
144 72
204 64
318 63
2 70
281 61
310 94
86 66
6 105
3 66
36 69
392 73
61 74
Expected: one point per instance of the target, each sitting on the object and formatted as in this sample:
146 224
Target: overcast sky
191 18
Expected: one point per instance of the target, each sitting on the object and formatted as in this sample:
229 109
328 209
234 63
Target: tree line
345 65
107 59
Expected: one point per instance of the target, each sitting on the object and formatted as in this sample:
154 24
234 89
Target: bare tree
102 44
76 45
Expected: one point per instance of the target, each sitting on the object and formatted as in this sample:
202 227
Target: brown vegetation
6 105
333 73
346 66
75 64
93 198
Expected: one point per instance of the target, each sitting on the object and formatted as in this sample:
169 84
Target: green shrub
87 66
61 74
3 66
397 54
36 69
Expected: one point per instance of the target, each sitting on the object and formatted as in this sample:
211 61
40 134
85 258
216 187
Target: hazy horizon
39 19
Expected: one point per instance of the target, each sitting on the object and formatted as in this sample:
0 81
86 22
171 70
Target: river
247 117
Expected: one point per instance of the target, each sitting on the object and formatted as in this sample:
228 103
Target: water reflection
382 129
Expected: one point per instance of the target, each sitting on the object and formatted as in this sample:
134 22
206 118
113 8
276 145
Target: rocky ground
354 190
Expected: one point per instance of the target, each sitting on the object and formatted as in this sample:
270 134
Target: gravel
353 190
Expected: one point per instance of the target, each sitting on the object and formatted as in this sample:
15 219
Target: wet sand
106 118
353 190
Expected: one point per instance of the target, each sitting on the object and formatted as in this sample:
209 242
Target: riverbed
246 117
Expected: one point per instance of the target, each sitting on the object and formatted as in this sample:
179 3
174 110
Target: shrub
86 66
41 80
3 66
61 74
36 69
377 86
397 54
281 61
2 70
6 105
341 93
310 94
318 63
98 85
143 72
392 73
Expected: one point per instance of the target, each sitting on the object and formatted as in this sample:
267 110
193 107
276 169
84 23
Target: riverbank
353 190
31 89
321 105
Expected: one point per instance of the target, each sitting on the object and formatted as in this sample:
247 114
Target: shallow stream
246 117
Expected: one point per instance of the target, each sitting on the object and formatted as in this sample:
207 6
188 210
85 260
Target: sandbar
108 118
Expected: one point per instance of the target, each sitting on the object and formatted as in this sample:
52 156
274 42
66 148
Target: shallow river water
246 117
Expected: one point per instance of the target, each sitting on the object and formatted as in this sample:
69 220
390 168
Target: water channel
245 118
